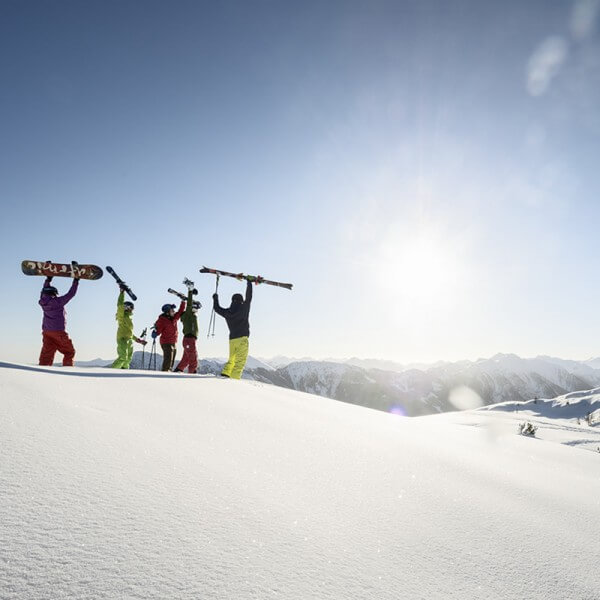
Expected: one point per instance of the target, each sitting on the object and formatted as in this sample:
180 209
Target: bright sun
422 271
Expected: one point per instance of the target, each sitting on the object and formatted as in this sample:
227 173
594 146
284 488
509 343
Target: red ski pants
53 341
190 356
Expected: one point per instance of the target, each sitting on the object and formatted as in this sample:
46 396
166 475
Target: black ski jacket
236 315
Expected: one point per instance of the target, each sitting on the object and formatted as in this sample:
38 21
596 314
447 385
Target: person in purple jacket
54 335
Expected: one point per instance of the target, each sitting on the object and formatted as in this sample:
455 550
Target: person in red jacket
166 328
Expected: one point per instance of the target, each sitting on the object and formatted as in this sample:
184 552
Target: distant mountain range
391 387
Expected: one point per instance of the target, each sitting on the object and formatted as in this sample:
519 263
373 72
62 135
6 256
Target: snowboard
126 288
51 269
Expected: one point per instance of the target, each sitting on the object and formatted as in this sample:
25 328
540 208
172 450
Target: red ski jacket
166 327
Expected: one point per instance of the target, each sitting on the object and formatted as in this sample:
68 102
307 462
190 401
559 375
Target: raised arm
190 300
248 292
72 291
216 306
178 314
44 299
121 305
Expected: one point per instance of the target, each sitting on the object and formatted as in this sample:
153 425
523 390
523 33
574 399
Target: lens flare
397 409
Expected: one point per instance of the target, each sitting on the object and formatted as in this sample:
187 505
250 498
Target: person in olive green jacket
125 334
189 320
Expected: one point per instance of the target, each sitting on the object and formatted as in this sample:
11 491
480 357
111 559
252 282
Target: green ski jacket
125 330
189 319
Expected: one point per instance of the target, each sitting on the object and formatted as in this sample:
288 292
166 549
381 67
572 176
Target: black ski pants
169 352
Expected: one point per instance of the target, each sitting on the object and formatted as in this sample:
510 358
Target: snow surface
561 419
156 485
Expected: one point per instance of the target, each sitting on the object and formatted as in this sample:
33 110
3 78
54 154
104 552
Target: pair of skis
122 284
241 277
181 296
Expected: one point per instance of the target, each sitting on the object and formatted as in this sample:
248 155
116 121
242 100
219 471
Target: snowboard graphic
50 269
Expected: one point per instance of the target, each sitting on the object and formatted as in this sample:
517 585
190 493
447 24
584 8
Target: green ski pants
124 353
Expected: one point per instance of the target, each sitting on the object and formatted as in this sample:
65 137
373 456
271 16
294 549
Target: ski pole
143 337
213 315
152 354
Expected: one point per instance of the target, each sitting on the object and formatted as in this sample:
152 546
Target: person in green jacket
189 320
125 334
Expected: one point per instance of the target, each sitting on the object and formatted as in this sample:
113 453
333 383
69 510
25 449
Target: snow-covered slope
147 485
572 419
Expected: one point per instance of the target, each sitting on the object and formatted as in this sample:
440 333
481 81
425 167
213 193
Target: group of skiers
55 337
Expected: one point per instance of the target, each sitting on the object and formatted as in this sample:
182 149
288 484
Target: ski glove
154 334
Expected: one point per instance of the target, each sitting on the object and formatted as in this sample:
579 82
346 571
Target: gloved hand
215 296
154 334
189 284
141 341
122 287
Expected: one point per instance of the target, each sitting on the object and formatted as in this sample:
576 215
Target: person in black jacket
239 331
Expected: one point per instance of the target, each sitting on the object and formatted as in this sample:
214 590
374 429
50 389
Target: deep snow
151 485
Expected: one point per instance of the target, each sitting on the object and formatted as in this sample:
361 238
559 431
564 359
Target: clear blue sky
425 173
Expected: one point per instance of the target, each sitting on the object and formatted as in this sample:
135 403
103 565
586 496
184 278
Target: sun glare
422 270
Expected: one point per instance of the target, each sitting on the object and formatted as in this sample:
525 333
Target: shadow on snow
109 372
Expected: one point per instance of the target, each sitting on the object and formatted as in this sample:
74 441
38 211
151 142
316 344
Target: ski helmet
50 290
128 305
167 307
237 299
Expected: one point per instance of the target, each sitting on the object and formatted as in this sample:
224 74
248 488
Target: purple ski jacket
54 308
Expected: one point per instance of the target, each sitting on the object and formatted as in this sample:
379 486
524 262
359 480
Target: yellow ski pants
238 354
124 353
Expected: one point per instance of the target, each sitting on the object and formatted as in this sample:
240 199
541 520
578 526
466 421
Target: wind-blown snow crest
156 485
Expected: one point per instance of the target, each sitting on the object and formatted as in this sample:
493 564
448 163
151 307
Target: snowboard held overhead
51 269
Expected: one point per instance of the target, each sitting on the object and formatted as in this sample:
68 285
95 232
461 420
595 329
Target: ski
251 278
126 288
184 296
190 284
50 269
178 294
